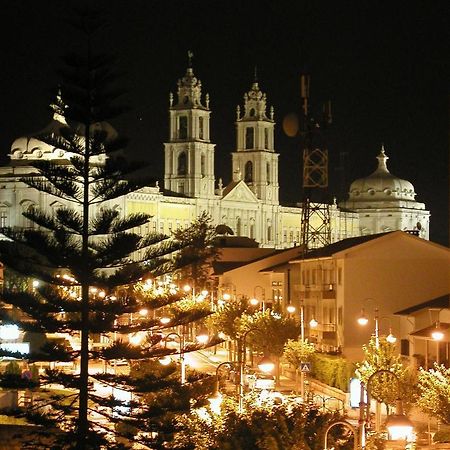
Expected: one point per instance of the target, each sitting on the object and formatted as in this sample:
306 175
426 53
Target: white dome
381 185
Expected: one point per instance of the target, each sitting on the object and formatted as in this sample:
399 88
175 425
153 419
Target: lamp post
166 360
437 335
265 365
255 300
347 425
398 424
363 320
216 398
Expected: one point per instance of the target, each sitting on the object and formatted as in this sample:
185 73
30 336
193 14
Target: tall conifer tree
89 260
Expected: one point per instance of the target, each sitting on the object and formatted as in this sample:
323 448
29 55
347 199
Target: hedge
332 370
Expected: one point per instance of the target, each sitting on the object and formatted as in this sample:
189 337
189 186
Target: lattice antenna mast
315 222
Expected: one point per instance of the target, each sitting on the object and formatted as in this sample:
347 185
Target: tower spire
190 56
255 78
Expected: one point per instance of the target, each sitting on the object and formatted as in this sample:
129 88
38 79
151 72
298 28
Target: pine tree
91 263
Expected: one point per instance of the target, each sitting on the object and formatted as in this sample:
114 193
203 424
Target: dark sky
384 65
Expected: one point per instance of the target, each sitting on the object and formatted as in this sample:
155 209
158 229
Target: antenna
315 221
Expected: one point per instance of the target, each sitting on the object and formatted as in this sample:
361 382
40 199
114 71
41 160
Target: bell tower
189 154
255 156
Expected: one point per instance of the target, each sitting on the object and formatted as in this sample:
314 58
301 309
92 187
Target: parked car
264 382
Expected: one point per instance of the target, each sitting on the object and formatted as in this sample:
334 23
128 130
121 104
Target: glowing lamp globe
313 323
136 338
9 332
363 320
290 309
226 296
165 361
266 365
215 401
254 301
399 426
165 320
437 335
391 338
202 338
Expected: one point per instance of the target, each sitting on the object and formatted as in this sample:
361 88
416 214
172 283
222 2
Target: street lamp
255 300
345 424
166 360
264 365
216 398
363 320
399 426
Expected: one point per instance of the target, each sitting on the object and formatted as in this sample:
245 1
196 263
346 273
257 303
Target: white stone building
248 204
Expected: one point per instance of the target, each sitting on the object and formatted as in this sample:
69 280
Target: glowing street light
215 399
265 365
399 426
290 309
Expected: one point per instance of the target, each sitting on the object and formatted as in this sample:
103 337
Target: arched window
252 112
249 137
268 172
27 205
182 170
203 165
266 138
248 172
269 233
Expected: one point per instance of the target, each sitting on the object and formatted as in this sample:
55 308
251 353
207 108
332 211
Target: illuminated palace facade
248 204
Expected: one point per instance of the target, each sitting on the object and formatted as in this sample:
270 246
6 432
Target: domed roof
32 148
381 185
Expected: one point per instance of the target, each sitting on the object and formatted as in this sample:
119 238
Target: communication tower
315 220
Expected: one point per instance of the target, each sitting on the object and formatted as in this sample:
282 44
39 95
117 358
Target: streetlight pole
302 334
405 422
182 363
242 354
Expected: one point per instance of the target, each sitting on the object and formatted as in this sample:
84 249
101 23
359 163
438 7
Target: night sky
384 65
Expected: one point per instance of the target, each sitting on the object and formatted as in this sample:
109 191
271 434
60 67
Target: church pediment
239 192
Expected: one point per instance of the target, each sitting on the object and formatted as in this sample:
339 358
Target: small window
182 163
249 137
203 165
252 112
200 127
3 217
182 130
266 138
340 276
268 173
269 233
248 172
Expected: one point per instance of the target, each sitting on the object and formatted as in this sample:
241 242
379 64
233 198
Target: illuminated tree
272 332
434 392
384 357
295 352
199 252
